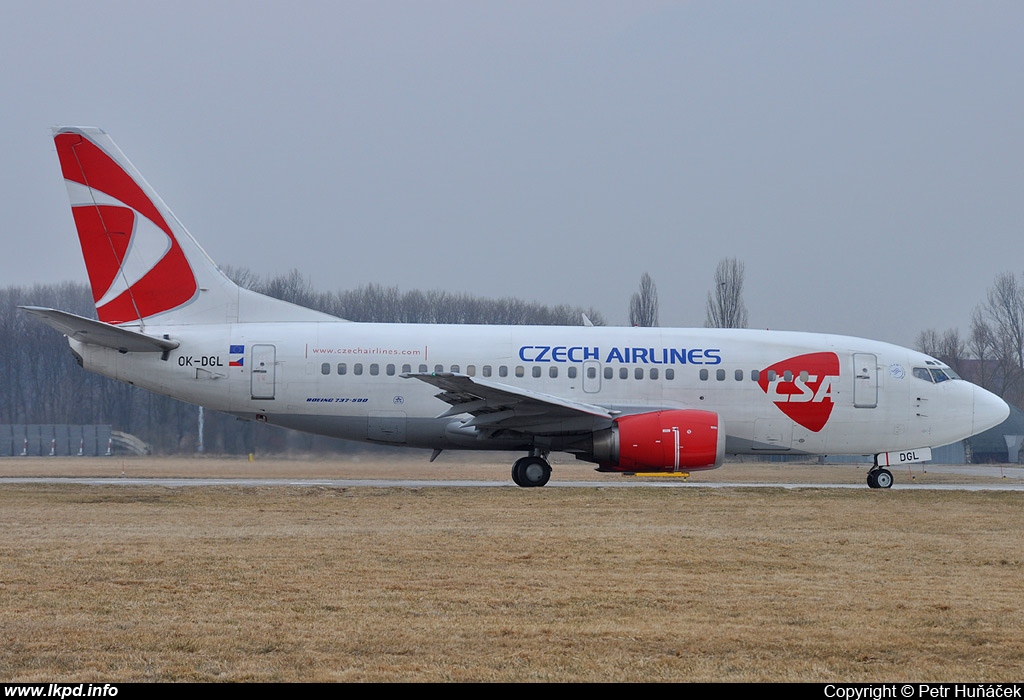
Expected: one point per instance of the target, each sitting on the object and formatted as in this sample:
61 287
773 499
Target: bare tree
953 349
997 332
928 342
981 346
947 346
643 306
244 277
725 307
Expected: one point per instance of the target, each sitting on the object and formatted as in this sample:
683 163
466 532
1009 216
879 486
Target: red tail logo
802 387
136 267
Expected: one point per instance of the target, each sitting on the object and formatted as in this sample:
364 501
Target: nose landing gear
879 478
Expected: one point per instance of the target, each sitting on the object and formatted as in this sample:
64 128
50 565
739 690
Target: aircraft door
263 374
865 380
591 376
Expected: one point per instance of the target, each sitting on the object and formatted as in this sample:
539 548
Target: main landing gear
531 471
879 478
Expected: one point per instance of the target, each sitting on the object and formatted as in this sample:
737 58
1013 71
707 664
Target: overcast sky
865 161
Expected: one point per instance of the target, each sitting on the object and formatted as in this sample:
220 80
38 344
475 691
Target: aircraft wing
497 406
86 330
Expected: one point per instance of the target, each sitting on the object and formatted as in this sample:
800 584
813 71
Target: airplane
628 399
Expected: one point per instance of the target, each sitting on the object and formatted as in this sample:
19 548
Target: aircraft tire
883 479
531 472
880 479
515 470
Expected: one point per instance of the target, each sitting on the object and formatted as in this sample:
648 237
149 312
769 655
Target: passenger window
738 374
591 372
391 370
703 375
609 373
536 371
520 372
486 370
553 371
471 370
455 368
654 372
325 368
502 371
771 375
720 375
423 368
439 368
638 373
357 368
623 373
374 369
406 369
670 374
787 376
342 368
571 372
755 375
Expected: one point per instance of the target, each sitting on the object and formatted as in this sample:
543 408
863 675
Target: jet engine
672 440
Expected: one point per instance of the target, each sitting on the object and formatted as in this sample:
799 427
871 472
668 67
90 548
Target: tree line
374 303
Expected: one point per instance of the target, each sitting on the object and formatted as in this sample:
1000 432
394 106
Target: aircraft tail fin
143 265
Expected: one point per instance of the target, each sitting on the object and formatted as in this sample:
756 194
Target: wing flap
496 406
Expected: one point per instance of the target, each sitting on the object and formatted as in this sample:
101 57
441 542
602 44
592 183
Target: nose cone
989 410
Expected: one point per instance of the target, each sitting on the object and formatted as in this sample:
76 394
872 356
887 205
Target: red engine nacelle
674 440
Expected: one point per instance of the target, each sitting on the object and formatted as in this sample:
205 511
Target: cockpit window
935 375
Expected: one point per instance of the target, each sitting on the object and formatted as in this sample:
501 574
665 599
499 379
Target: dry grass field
315 583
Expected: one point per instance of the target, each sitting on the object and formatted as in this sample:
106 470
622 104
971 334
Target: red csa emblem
805 394
135 265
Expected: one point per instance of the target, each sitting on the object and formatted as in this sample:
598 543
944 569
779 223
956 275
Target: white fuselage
776 391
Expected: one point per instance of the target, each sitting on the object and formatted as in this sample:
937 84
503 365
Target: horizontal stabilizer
86 330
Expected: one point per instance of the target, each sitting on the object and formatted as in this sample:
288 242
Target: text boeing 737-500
626 399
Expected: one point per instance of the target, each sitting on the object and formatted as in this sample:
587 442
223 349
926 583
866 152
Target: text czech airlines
622 355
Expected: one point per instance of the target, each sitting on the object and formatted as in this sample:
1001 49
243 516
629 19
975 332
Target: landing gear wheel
880 479
530 472
883 478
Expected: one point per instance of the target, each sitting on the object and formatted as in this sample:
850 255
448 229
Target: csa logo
803 387
136 267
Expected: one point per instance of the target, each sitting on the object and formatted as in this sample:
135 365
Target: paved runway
1006 485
